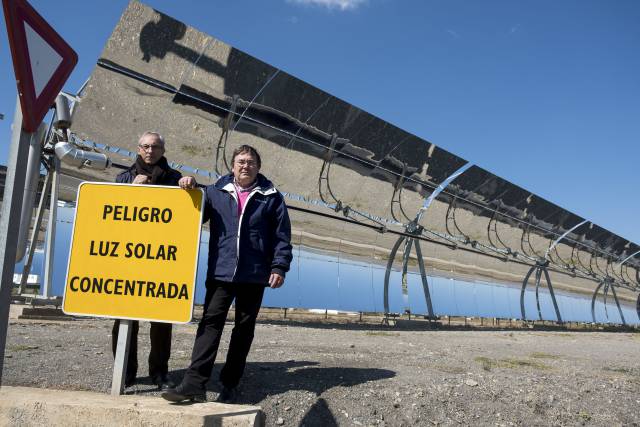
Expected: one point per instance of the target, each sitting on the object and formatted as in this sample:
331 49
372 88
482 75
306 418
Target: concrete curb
24 406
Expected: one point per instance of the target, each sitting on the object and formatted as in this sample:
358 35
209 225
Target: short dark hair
247 149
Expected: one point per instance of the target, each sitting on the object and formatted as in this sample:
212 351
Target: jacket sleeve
124 177
282 253
174 178
207 205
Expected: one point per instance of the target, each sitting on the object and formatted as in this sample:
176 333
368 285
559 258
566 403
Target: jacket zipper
255 190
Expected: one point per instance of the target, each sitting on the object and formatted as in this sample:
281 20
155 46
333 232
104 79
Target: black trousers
160 349
248 297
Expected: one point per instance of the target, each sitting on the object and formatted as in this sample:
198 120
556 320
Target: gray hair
154 134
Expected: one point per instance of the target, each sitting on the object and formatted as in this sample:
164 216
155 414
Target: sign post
42 62
134 256
10 221
122 355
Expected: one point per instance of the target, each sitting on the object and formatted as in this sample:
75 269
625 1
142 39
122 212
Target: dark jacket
127 177
260 246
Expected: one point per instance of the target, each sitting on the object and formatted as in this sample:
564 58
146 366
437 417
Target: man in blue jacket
150 167
249 249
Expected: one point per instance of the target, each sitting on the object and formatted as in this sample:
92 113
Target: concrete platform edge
25 406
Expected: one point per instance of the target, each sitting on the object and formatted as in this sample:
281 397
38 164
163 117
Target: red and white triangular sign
42 60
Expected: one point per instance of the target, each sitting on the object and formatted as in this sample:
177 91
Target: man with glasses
151 167
249 249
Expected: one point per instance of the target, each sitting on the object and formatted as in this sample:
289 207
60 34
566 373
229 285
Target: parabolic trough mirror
383 221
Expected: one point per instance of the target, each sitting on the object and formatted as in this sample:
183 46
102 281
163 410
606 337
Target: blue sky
543 93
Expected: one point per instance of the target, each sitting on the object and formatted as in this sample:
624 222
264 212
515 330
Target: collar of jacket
263 186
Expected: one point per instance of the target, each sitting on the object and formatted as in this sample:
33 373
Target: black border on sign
17 13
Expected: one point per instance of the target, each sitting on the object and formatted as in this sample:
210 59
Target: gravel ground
316 374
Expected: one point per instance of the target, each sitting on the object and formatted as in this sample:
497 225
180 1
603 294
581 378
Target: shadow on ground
265 379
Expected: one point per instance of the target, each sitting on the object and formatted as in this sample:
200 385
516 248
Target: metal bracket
493 227
539 268
612 272
221 157
607 283
525 238
413 229
594 261
396 198
575 256
324 176
450 216
622 264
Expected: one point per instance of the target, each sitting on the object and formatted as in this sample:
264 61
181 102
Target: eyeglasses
146 147
248 163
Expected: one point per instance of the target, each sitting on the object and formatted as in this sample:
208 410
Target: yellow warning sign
134 252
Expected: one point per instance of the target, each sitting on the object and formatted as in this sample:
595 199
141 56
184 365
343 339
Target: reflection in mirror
354 184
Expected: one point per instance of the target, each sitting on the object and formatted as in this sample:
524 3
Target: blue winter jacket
260 246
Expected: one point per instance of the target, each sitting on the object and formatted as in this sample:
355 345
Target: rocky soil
319 374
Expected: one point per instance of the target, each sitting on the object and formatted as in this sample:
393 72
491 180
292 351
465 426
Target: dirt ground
327 374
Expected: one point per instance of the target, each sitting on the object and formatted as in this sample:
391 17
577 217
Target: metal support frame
113 67
416 230
51 227
36 231
539 268
607 284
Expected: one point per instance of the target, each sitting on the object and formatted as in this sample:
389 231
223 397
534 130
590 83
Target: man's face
245 169
150 149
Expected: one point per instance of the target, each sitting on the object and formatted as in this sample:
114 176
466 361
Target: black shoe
182 393
163 382
228 395
129 382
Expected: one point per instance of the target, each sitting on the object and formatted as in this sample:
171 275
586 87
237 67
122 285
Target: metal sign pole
122 355
10 220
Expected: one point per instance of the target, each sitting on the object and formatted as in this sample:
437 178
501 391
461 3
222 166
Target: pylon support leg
405 267
593 301
387 273
538 276
425 283
615 297
524 286
553 295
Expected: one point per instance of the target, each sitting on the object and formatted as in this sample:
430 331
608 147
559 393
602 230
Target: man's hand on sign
187 182
141 179
275 280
